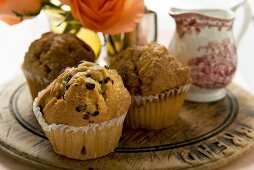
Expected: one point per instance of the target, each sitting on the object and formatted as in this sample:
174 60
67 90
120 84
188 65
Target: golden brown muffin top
150 69
51 53
84 94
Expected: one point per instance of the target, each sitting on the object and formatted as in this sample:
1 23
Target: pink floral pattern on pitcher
216 67
190 22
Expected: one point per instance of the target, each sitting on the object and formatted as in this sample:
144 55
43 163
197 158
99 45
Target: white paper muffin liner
36 83
86 142
156 111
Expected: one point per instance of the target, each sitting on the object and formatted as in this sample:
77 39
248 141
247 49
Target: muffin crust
85 94
150 69
51 53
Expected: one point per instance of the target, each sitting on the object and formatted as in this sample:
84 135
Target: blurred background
15 40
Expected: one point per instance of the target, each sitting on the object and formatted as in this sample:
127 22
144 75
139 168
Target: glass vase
145 32
59 25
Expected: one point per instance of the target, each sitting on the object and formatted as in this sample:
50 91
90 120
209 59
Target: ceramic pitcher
204 41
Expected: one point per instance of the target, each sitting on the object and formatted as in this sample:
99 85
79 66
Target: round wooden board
205 136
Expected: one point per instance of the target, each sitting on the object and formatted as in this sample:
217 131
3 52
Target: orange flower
107 16
14 11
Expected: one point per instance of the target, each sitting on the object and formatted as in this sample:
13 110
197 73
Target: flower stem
112 43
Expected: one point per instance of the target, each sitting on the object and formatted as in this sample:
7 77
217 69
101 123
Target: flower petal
130 17
107 16
11 8
11 20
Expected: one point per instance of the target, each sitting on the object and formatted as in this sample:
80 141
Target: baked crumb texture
51 53
85 94
150 69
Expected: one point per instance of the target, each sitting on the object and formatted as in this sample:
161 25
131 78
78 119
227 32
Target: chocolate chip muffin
158 83
88 99
49 55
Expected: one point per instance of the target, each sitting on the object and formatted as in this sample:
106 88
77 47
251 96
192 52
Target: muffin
82 111
157 82
50 54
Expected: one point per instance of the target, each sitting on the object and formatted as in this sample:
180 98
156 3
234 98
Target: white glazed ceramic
204 41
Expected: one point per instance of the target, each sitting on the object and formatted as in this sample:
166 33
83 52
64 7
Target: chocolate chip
86 116
68 78
112 81
91 121
41 110
90 86
88 75
96 113
106 80
83 150
59 95
107 67
81 108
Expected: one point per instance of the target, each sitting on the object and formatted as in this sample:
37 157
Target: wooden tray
205 136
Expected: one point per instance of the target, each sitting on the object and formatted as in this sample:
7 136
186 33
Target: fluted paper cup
157 111
35 83
85 142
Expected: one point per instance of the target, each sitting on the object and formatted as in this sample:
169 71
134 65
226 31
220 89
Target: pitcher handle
246 20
